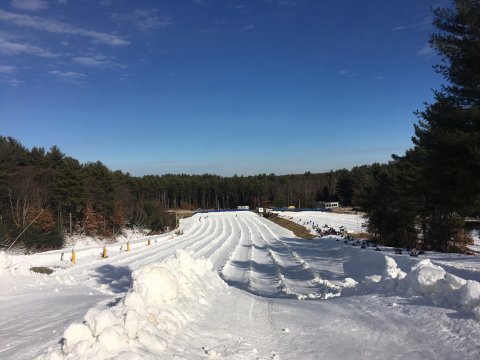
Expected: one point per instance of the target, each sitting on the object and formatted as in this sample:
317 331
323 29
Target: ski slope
237 286
353 223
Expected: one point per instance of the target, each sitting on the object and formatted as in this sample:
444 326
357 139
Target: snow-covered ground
353 223
476 240
82 241
236 286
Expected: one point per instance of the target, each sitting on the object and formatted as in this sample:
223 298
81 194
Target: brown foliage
91 222
118 216
46 220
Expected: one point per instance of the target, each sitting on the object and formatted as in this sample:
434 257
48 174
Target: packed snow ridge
163 298
228 286
427 280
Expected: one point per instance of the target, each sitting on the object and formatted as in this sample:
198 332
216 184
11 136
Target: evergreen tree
446 157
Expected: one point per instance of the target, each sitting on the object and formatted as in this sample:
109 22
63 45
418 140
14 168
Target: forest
417 199
94 200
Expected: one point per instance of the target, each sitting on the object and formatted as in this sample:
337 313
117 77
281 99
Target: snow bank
475 234
444 288
366 263
81 241
163 298
428 280
9 266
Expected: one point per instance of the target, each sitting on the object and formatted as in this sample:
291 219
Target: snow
11 265
237 286
353 223
80 241
476 240
163 297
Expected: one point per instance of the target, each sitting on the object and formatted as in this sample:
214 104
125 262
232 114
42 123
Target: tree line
94 200
419 199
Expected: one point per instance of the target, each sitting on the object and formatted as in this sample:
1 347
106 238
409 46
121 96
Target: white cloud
346 73
29 5
11 48
57 27
144 20
248 27
399 28
288 3
5 69
67 75
426 50
92 61
13 82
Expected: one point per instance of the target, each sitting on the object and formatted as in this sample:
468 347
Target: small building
329 205
243 207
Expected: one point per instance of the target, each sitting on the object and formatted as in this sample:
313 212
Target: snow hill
353 223
236 286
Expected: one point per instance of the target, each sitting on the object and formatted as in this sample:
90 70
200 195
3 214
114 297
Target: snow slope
236 286
354 223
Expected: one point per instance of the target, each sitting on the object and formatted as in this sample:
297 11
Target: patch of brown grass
41 270
297 229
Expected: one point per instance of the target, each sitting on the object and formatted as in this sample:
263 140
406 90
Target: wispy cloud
12 48
399 28
90 61
29 5
288 3
6 69
97 61
144 20
346 73
13 82
56 27
69 76
426 50
248 27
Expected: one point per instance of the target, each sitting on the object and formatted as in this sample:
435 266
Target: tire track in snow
89 271
219 255
291 262
265 279
233 271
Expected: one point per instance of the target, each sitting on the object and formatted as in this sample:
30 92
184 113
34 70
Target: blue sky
216 86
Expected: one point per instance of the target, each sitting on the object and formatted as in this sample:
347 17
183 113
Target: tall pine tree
446 155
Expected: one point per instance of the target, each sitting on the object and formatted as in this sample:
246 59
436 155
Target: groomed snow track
255 314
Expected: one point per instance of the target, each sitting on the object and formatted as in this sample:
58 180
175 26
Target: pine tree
446 155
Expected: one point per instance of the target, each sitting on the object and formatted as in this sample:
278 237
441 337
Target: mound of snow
9 266
4 262
392 271
425 276
364 264
428 280
163 298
